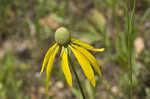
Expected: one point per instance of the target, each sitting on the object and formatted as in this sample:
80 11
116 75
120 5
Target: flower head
62 36
84 57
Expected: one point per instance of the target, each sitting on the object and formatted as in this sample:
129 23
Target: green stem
76 75
130 43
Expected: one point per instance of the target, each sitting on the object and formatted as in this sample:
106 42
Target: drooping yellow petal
50 65
85 65
65 67
87 46
90 57
46 58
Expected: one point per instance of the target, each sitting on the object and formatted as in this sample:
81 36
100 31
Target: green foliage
88 89
9 86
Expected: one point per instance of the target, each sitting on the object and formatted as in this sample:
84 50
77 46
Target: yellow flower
79 49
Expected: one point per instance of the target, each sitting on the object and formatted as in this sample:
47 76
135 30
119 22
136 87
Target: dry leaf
114 89
139 45
51 22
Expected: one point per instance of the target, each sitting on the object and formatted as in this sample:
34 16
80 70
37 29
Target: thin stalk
130 22
76 75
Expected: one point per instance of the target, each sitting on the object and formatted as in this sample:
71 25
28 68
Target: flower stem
76 75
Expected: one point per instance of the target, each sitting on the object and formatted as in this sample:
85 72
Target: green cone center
62 36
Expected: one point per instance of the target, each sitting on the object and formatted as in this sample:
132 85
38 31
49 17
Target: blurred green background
27 30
